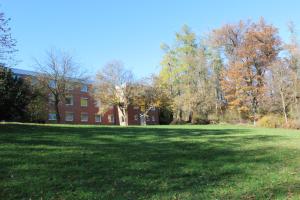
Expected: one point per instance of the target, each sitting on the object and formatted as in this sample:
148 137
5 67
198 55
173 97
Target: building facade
79 107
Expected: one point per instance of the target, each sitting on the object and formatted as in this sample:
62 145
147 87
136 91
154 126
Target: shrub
233 117
271 121
165 116
293 124
200 119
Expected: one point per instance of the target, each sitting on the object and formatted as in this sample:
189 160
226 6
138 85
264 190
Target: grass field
157 162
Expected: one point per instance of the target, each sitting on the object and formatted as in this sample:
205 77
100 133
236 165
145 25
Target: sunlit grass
155 162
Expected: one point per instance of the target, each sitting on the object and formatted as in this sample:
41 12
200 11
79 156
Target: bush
200 119
178 122
233 117
292 124
271 121
165 116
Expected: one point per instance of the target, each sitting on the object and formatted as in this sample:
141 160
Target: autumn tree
148 96
250 49
114 86
174 74
58 73
187 76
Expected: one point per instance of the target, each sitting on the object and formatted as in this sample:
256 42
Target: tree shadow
126 163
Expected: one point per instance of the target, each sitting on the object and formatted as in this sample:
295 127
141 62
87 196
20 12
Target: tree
292 55
58 73
189 78
7 43
15 96
282 85
114 86
148 96
36 109
250 49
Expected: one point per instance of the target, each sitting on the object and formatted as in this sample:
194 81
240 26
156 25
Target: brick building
80 107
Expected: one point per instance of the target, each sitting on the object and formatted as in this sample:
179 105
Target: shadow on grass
56 162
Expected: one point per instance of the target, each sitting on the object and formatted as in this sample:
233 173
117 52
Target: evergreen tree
15 95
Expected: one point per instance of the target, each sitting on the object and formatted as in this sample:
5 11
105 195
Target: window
84 117
98 118
69 100
69 87
51 98
97 104
136 117
153 118
52 116
136 108
111 119
152 109
84 88
52 83
84 102
69 117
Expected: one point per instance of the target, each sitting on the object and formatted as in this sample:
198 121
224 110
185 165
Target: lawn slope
157 162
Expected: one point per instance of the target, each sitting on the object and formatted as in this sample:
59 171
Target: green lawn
155 162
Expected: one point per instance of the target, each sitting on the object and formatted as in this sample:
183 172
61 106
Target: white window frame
72 101
69 120
51 98
52 116
69 87
87 102
100 119
84 88
97 103
153 118
111 118
84 113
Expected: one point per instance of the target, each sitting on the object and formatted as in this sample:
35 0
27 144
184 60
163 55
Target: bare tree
282 85
114 86
7 43
57 74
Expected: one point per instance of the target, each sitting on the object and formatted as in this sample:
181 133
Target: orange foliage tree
249 49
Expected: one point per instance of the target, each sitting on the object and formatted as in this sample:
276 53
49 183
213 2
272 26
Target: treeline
20 99
238 73
241 72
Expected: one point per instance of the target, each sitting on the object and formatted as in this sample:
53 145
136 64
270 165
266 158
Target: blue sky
96 31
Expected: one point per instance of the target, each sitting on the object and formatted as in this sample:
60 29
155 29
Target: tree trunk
57 110
123 116
180 115
190 117
254 110
284 107
143 119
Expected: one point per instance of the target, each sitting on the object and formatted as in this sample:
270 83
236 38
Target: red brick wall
152 116
92 110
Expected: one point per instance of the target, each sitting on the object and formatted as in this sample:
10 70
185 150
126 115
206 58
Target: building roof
32 73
